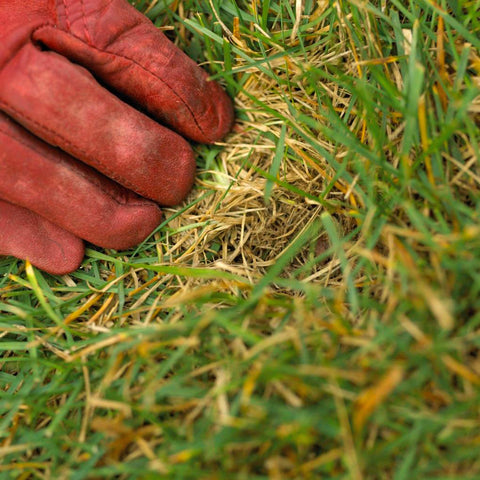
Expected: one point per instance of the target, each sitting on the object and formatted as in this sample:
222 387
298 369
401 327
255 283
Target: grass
313 310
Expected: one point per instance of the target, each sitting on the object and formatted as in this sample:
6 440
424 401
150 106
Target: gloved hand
83 84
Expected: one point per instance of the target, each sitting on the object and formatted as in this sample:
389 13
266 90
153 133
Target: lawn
312 311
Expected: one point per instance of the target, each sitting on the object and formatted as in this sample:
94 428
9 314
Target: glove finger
25 235
123 48
77 198
64 105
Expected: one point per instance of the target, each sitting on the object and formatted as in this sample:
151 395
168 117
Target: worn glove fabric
96 105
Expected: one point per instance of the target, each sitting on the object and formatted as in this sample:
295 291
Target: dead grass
312 310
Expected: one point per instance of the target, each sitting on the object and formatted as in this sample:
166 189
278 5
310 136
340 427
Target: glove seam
134 62
85 26
67 20
89 180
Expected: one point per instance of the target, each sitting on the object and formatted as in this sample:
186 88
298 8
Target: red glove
70 71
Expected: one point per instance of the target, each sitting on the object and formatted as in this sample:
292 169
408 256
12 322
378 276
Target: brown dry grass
366 368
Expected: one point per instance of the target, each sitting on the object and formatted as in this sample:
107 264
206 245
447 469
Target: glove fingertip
26 235
63 254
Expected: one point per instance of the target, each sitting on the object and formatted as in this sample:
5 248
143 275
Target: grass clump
313 310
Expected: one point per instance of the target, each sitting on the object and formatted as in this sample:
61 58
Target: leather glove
96 105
